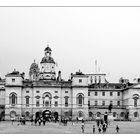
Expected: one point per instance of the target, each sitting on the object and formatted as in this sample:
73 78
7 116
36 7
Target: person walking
44 121
99 128
117 129
93 129
83 128
39 122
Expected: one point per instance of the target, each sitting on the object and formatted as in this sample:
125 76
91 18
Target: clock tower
47 65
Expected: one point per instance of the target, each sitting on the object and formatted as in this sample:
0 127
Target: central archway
47 114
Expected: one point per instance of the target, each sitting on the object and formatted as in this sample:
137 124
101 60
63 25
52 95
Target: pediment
56 97
136 86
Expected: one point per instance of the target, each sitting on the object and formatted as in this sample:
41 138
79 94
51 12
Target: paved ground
55 128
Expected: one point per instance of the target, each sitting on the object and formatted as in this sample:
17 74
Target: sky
77 36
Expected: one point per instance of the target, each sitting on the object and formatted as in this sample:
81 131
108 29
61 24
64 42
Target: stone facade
83 96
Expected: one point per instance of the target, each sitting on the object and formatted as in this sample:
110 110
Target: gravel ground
56 128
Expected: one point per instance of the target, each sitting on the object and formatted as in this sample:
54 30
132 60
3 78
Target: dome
47 49
34 66
47 60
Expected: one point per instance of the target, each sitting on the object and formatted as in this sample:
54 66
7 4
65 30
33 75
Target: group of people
101 127
64 121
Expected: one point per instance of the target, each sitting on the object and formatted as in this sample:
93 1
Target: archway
98 114
114 114
135 114
12 114
80 115
47 115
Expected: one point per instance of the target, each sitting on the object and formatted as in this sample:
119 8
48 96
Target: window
27 91
135 102
66 91
111 93
96 93
96 103
88 103
47 99
118 103
27 100
80 80
114 114
80 99
12 114
135 114
37 102
103 103
90 114
95 80
56 91
88 93
66 101
13 80
27 114
13 99
118 93
80 114
98 114
111 102
47 103
37 91
55 103
103 93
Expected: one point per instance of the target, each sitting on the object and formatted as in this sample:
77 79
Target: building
83 96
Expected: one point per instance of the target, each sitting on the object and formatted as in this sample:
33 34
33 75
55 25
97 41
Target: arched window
12 114
122 114
135 102
66 114
114 114
98 114
47 99
37 100
80 99
27 100
66 101
80 114
27 114
135 114
13 99
135 97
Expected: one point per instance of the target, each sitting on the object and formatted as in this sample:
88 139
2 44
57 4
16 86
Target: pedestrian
83 128
93 129
44 121
12 120
35 121
39 121
98 123
99 128
117 129
83 122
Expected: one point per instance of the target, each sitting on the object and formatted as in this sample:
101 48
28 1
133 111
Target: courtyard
6 127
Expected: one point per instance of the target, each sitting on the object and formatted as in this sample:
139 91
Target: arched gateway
47 115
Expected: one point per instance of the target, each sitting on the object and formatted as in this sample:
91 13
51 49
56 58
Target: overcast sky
77 36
